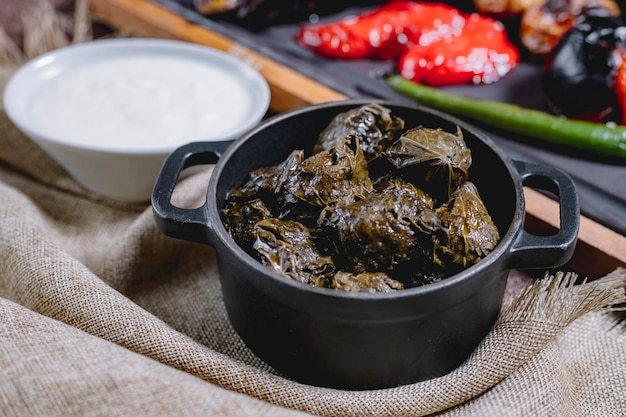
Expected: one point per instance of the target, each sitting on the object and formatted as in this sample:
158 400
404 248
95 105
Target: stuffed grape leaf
348 219
268 183
385 228
373 125
366 281
287 247
240 219
334 176
471 233
444 156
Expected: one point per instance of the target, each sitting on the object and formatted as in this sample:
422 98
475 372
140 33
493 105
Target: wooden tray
599 251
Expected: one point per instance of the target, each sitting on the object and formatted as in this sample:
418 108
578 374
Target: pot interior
274 140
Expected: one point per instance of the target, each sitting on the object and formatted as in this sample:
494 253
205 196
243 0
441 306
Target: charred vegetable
595 137
579 74
259 14
328 220
433 43
544 22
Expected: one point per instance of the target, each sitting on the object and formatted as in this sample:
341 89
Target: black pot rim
291 287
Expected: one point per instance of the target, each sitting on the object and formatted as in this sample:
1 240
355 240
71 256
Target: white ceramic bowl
110 111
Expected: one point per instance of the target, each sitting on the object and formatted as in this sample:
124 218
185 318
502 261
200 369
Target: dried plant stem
544 300
44 30
10 54
82 22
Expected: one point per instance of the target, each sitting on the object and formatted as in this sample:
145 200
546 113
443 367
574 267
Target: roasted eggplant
544 22
260 14
579 74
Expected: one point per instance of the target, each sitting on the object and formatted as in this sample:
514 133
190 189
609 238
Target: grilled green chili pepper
596 137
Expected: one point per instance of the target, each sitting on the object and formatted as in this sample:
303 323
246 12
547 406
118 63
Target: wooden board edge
599 251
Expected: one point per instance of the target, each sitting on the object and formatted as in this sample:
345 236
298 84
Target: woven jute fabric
102 315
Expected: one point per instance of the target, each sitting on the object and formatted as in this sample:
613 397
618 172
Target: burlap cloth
102 315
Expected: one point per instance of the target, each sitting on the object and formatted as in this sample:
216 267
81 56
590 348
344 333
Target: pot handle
531 251
173 221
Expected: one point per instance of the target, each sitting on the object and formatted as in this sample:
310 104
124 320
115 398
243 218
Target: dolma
373 125
240 219
335 176
268 183
365 282
443 157
471 233
339 220
287 247
385 228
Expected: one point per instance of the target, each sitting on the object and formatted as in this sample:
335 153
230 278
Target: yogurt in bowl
110 111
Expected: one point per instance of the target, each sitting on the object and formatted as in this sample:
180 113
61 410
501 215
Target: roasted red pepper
481 53
435 43
382 34
620 87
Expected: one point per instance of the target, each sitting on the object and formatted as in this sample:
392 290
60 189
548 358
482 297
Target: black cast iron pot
361 340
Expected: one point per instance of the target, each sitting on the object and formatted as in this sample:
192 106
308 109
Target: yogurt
134 102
